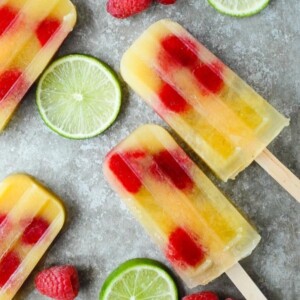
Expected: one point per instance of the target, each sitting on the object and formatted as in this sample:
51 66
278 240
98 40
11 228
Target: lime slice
139 279
78 96
239 8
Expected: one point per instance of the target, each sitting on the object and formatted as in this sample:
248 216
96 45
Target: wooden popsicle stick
244 283
280 173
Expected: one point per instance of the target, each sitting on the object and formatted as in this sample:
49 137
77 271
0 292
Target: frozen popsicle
30 219
30 33
200 232
221 117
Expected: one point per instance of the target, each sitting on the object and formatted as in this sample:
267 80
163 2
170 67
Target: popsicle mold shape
30 219
200 232
30 33
213 110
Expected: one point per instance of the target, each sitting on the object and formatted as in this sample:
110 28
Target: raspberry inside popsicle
199 231
9 263
7 15
221 118
30 34
30 219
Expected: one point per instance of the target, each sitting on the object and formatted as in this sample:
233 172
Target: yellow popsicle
30 34
221 118
197 228
30 219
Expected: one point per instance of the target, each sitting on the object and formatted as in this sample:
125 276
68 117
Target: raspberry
202 296
7 15
60 282
166 2
7 81
2 218
172 100
182 50
209 77
183 251
46 29
9 263
34 231
170 166
124 173
125 8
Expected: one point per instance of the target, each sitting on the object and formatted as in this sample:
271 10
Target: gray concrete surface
100 233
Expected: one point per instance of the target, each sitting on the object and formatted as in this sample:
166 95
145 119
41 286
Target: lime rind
138 265
239 8
57 91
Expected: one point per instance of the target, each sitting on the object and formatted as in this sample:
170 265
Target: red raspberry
172 100
170 165
183 251
7 16
46 30
209 77
166 2
8 79
124 173
125 8
202 296
181 50
9 263
2 218
60 282
34 231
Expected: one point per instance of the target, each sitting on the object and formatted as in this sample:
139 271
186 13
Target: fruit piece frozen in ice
196 227
9 263
126 176
182 250
30 219
7 81
166 163
219 116
46 30
30 34
35 230
172 100
7 15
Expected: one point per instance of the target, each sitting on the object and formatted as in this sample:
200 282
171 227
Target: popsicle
30 33
200 232
213 110
30 219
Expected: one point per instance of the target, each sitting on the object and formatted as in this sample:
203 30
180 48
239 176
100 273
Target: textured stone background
100 233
